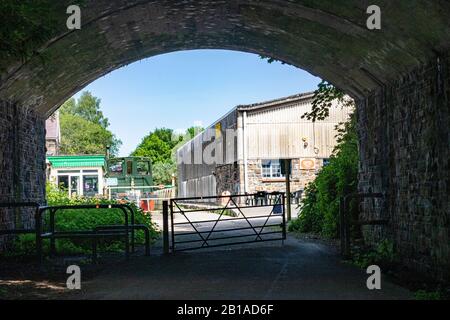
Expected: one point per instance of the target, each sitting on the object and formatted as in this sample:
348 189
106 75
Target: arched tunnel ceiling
328 38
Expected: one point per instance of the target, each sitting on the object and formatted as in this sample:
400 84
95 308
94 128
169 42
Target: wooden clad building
241 152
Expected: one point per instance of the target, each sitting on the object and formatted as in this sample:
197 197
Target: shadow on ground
299 269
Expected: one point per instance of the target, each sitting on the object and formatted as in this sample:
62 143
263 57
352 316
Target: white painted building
80 175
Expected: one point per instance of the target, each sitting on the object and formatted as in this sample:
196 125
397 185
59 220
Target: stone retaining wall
22 164
404 144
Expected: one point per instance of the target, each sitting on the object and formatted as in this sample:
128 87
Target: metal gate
206 222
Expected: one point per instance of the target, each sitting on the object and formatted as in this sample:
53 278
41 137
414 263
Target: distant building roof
77 161
269 103
261 105
275 102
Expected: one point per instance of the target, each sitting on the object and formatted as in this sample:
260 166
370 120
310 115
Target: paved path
298 269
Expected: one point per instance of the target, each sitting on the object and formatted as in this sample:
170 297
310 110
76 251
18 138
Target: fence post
341 226
283 200
166 226
38 230
52 230
344 228
288 188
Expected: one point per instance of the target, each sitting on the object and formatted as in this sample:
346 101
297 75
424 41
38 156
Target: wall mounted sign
112 182
307 164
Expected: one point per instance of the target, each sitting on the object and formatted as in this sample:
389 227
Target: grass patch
428 295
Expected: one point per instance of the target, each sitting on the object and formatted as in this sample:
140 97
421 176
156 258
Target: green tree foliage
79 136
323 99
87 107
84 128
157 145
188 135
319 211
160 146
193 131
271 59
162 172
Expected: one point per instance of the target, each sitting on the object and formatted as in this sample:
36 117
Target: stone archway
399 75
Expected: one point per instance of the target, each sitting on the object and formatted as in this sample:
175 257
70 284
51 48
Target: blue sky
182 89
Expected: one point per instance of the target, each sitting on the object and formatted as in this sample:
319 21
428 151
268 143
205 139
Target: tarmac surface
293 269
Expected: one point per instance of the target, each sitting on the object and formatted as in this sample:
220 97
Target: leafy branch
324 96
271 59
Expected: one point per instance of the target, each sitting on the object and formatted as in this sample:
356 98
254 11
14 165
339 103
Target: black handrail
53 209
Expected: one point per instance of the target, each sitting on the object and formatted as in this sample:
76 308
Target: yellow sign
218 130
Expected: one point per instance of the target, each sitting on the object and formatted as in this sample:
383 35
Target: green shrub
82 220
25 245
426 295
319 210
382 255
309 219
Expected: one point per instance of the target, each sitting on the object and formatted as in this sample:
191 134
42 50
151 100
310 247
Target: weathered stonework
299 179
227 178
230 178
22 164
404 152
327 38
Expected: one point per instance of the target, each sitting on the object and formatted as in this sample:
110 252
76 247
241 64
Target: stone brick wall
228 178
231 178
299 180
404 143
22 164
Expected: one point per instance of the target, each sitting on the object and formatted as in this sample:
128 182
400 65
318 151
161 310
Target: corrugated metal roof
301 97
77 161
275 102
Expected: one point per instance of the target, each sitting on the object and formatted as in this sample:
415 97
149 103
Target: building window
326 161
74 186
129 168
116 168
79 182
63 182
69 184
90 187
271 169
143 168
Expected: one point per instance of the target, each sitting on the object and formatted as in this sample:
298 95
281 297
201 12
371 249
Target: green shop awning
76 161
